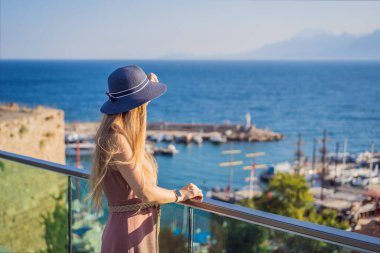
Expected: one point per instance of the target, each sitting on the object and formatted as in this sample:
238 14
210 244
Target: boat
183 138
168 138
267 175
169 150
248 192
363 181
343 179
224 194
158 137
198 139
149 147
218 139
73 137
85 148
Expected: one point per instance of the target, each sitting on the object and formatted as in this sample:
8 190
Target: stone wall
26 192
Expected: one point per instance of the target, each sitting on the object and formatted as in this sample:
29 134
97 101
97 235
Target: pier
187 132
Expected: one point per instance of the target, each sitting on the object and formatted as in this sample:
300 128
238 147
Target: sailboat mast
372 154
345 145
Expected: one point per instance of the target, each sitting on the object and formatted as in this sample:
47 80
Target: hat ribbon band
115 95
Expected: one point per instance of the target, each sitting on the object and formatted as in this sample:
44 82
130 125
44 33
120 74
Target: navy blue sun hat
128 88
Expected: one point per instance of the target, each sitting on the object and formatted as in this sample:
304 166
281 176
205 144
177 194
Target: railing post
69 218
190 223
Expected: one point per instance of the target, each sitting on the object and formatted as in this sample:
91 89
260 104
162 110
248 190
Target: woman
125 171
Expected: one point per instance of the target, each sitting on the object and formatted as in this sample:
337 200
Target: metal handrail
277 222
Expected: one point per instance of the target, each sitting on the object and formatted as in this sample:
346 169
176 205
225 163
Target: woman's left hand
153 78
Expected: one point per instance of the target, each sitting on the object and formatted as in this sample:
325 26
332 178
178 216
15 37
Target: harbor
348 183
81 134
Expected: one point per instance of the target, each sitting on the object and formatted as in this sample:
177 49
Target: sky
86 29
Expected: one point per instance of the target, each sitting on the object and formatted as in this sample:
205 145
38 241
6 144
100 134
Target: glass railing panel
87 224
173 235
215 233
34 210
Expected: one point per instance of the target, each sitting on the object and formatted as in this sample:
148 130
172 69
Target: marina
347 183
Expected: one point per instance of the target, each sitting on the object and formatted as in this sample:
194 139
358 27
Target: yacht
85 148
218 139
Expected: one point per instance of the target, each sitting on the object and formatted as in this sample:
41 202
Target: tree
231 235
287 195
328 217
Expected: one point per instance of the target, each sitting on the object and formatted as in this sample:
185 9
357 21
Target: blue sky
153 29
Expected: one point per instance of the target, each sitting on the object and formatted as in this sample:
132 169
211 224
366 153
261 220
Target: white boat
363 181
218 139
85 148
344 178
149 147
169 150
198 139
158 137
248 192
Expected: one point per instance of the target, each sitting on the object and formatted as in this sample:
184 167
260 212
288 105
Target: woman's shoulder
122 143
121 151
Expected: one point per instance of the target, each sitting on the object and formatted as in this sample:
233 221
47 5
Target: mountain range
310 45
320 46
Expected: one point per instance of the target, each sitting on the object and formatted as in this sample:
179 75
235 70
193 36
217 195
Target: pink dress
134 231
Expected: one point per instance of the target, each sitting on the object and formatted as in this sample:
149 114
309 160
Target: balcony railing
210 226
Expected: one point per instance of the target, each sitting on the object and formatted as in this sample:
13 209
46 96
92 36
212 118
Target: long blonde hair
132 125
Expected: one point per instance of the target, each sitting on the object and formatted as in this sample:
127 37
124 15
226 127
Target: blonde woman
124 171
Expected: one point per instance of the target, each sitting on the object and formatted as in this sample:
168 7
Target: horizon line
188 59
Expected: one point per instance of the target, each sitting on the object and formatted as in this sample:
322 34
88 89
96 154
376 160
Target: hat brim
151 91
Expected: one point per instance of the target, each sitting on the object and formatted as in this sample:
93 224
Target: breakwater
187 131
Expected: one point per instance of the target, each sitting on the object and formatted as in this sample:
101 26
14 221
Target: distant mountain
319 46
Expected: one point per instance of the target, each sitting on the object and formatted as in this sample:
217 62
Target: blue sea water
287 97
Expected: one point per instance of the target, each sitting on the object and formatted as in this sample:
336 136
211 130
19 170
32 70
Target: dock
186 132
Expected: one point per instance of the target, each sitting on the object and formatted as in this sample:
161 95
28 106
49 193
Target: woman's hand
153 78
192 192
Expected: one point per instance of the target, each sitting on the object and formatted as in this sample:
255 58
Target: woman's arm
148 192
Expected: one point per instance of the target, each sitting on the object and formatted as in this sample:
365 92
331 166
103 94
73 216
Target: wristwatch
178 195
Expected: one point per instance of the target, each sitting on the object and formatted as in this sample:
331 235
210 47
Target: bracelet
176 195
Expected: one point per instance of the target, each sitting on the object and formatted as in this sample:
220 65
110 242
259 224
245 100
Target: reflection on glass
87 226
173 228
214 233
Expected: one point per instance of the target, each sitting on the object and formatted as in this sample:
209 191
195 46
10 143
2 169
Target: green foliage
230 235
248 202
56 230
290 243
328 217
290 197
170 243
287 195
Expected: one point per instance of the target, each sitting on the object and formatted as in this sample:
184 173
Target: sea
290 97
